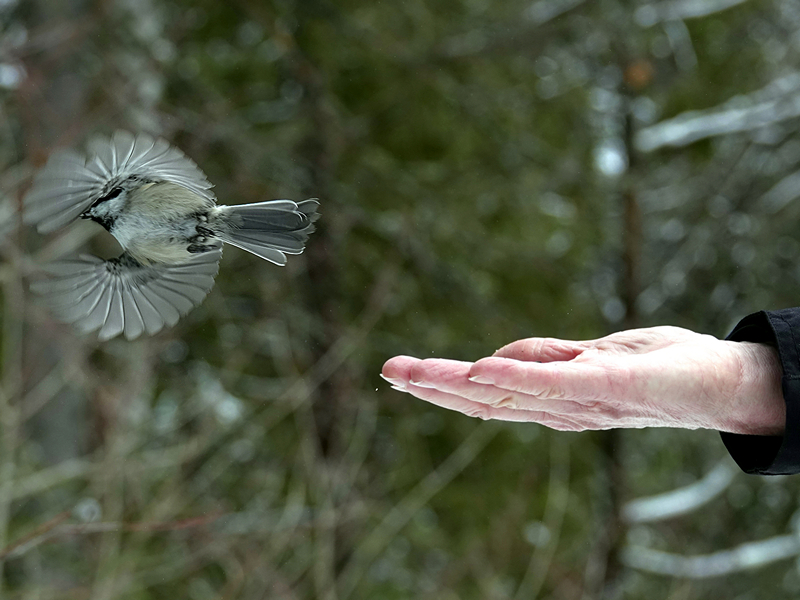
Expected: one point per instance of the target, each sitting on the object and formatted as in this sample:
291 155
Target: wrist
758 404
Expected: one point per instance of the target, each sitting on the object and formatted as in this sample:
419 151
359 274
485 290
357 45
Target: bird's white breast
158 220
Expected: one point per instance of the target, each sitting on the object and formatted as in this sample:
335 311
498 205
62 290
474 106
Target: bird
160 207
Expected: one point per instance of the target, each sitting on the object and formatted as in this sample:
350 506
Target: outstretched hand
656 377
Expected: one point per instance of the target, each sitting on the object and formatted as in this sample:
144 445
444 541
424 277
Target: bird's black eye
111 195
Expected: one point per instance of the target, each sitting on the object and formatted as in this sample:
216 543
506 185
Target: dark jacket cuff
772 455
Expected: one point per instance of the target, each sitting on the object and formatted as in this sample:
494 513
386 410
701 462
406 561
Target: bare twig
13 319
35 537
555 508
105 527
56 527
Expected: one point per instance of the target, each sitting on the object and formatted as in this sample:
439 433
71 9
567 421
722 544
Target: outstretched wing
70 182
123 296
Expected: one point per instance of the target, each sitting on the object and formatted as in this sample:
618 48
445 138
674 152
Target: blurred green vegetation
475 160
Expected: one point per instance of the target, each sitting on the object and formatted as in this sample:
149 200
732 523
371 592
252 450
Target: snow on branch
546 10
776 102
740 558
650 14
682 500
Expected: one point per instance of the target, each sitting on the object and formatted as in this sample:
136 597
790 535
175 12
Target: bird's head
113 200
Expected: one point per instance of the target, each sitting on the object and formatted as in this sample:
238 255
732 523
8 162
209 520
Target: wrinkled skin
656 377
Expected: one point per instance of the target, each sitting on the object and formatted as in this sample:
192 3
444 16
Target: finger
557 380
541 350
429 372
453 377
397 370
486 412
420 378
439 372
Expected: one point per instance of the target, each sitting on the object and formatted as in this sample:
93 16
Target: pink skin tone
656 377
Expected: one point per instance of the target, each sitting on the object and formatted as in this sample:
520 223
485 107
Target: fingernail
481 379
422 384
399 388
391 380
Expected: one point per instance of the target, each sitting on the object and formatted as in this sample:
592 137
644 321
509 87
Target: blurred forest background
488 170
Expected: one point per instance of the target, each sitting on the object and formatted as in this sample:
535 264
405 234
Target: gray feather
70 182
153 320
290 243
274 256
122 296
133 320
269 229
114 323
98 313
166 311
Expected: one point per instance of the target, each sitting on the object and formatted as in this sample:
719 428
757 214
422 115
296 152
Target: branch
704 566
34 538
650 14
772 104
54 527
682 500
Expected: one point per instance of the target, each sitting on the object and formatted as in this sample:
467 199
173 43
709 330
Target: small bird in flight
159 206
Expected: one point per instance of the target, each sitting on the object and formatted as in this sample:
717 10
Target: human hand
656 377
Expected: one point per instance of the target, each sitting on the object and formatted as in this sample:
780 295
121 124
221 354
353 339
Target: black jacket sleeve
772 455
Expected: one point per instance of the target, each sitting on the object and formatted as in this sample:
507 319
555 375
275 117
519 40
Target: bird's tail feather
270 229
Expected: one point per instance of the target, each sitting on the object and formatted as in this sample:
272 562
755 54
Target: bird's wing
70 182
123 296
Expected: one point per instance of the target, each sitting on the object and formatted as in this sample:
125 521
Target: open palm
656 377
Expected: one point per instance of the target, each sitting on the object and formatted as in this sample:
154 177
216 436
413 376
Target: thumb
541 350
